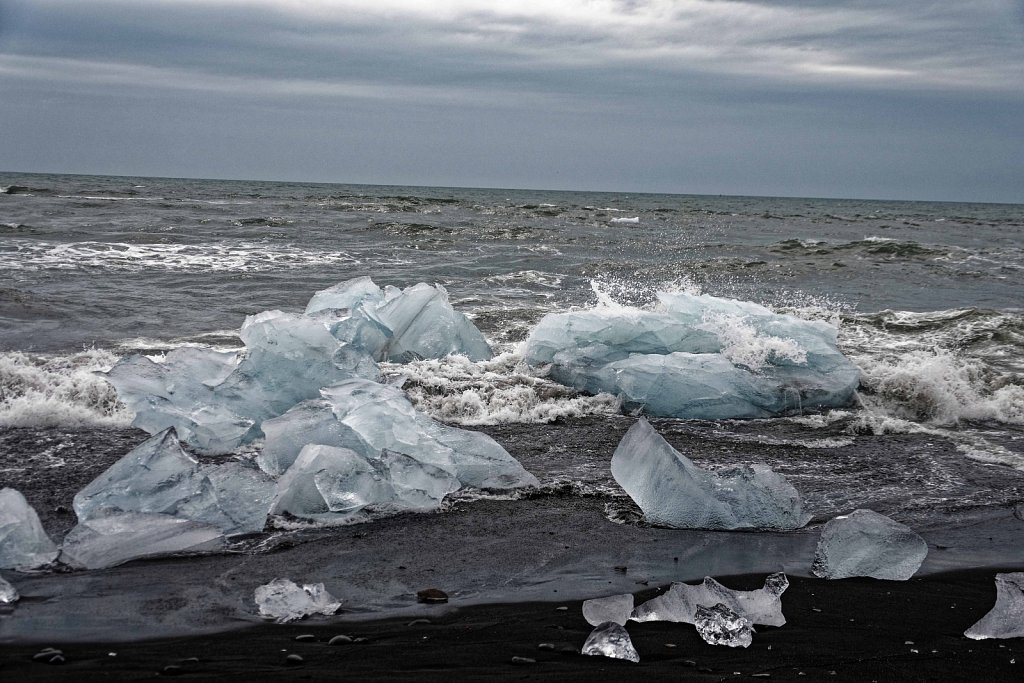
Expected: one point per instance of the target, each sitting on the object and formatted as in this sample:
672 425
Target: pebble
689 662
523 660
56 659
293 660
761 675
670 644
432 595
419 622
360 639
306 638
171 670
46 654
340 640
546 646
563 608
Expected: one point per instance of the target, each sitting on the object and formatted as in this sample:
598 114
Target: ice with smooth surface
8 593
284 600
611 640
719 625
113 538
696 357
1006 618
23 542
865 543
674 492
681 601
616 608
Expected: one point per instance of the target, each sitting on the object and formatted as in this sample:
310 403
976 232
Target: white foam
744 345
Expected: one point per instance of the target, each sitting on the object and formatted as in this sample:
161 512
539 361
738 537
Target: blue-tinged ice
615 608
309 422
865 543
674 492
1006 618
696 357
8 593
681 601
112 538
23 542
345 296
284 600
611 640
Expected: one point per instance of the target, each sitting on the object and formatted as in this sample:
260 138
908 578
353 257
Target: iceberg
699 357
719 625
284 600
1006 618
8 593
681 602
610 640
865 543
674 492
23 542
112 538
615 608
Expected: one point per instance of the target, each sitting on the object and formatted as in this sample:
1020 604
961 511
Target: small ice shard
23 542
865 543
719 625
615 608
284 600
680 602
8 593
674 492
610 640
1006 618
113 538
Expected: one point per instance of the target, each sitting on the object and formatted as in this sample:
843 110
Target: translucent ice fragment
424 325
611 640
309 422
1006 618
331 484
615 608
719 625
865 543
23 542
114 538
243 494
8 593
674 492
345 295
680 602
284 600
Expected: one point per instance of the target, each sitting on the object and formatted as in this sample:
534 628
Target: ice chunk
309 422
284 600
719 625
345 295
113 538
865 543
244 496
23 542
674 492
616 608
331 484
1006 618
8 593
680 602
610 640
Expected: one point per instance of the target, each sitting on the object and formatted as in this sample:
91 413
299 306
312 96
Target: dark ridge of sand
848 630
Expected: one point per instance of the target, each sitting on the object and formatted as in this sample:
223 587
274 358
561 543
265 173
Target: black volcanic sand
848 630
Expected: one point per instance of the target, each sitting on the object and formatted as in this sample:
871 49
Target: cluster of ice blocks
698 357
674 492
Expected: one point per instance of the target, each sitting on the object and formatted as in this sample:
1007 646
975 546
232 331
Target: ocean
928 298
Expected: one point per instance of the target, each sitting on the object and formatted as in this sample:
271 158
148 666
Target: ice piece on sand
616 608
8 593
719 625
284 600
674 492
610 640
865 543
114 538
1006 618
23 542
680 602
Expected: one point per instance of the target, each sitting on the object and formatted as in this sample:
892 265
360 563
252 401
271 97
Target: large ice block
680 602
23 542
244 495
113 538
696 357
616 608
674 492
719 625
865 543
610 640
1006 618
331 484
8 593
309 422
284 600
345 296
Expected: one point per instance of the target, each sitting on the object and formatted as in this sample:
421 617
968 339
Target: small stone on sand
432 595
293 660
340 640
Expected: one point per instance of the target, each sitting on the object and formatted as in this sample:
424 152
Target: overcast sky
863 98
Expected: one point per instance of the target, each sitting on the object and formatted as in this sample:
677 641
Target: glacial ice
8 593
616 608
674 492
112 538
285 601
157 476
1006 618
696 357
865 543
719 625
23 542
681 602
610 640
